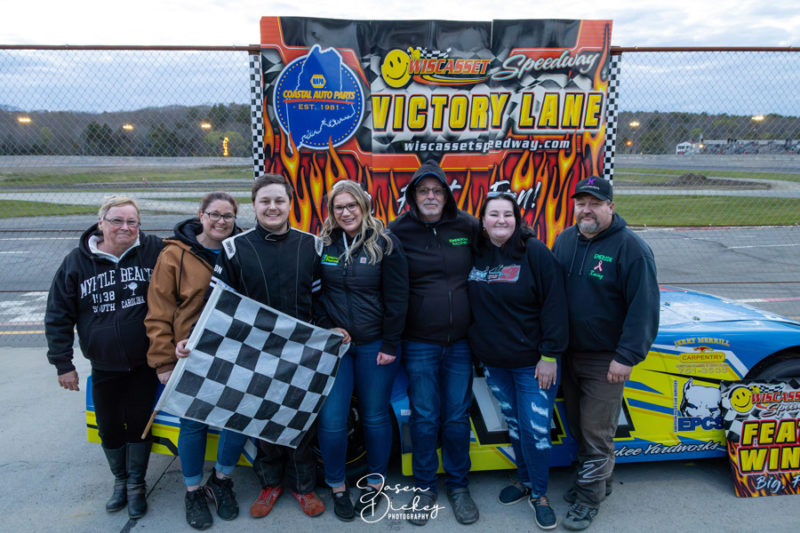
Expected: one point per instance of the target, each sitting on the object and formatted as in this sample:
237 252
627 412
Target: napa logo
318 100
318 81
431 67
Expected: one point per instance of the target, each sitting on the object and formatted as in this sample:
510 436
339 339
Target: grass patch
669 210
240 199
78 176
663 175
22 208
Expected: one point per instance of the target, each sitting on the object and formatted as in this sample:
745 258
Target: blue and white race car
671 403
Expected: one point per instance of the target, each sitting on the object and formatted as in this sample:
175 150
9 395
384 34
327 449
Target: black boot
116 461
138 457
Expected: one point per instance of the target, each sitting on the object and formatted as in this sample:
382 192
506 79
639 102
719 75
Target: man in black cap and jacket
613 303
437 238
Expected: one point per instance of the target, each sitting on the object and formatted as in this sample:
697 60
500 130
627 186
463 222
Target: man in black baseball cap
597 187
613 303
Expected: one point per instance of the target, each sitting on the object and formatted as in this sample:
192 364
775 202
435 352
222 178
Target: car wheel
788 366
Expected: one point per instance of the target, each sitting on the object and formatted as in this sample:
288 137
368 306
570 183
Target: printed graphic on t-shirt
501 274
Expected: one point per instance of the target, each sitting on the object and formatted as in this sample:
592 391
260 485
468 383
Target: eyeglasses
351 207
425 191
214 216
508 195
118 222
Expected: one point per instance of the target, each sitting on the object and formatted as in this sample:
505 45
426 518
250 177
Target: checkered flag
253 370
426 53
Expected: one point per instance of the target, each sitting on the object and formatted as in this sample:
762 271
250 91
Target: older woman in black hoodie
101 286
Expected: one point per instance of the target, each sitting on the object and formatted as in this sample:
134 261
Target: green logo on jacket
459 241
330 260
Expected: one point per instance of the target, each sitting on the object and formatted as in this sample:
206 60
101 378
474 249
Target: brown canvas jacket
175 299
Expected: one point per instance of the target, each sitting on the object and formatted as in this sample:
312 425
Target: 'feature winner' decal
318 100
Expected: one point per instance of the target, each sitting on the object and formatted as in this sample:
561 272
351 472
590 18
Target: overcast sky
99 81
227 22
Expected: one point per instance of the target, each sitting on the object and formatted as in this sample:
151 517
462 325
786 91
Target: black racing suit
282 271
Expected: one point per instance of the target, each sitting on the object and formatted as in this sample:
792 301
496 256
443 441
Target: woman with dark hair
101 287
364 291
519 333
175 299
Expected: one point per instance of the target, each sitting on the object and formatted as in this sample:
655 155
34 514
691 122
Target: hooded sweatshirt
177 292
439 260
612 291
106 298
518 305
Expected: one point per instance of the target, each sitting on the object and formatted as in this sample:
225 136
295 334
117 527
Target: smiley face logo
395 69
742 399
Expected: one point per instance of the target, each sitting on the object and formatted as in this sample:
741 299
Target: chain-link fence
707 164
707 156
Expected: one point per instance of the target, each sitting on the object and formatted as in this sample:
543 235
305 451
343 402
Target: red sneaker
265 502
311 504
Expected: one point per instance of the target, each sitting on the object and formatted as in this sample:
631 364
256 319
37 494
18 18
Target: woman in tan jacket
176 297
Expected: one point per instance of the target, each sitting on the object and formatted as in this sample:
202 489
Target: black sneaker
579 517
368 497
220 491
420 507
197 514
342 506
543 513
513 493
464 508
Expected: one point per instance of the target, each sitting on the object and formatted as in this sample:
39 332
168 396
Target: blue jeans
192 450
439 393
373 387
529 412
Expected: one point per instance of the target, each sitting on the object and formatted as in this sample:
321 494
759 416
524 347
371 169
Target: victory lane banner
253 370
762 427
512 105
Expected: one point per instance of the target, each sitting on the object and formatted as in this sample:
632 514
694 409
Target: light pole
634 125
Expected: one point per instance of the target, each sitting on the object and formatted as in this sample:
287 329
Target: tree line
179 131
174 131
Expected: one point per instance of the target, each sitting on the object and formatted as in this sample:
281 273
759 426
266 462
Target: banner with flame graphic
501 105
762 428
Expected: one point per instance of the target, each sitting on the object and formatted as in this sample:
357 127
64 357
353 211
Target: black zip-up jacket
108 303
439 258
368 300
279 270
612 291
519 306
